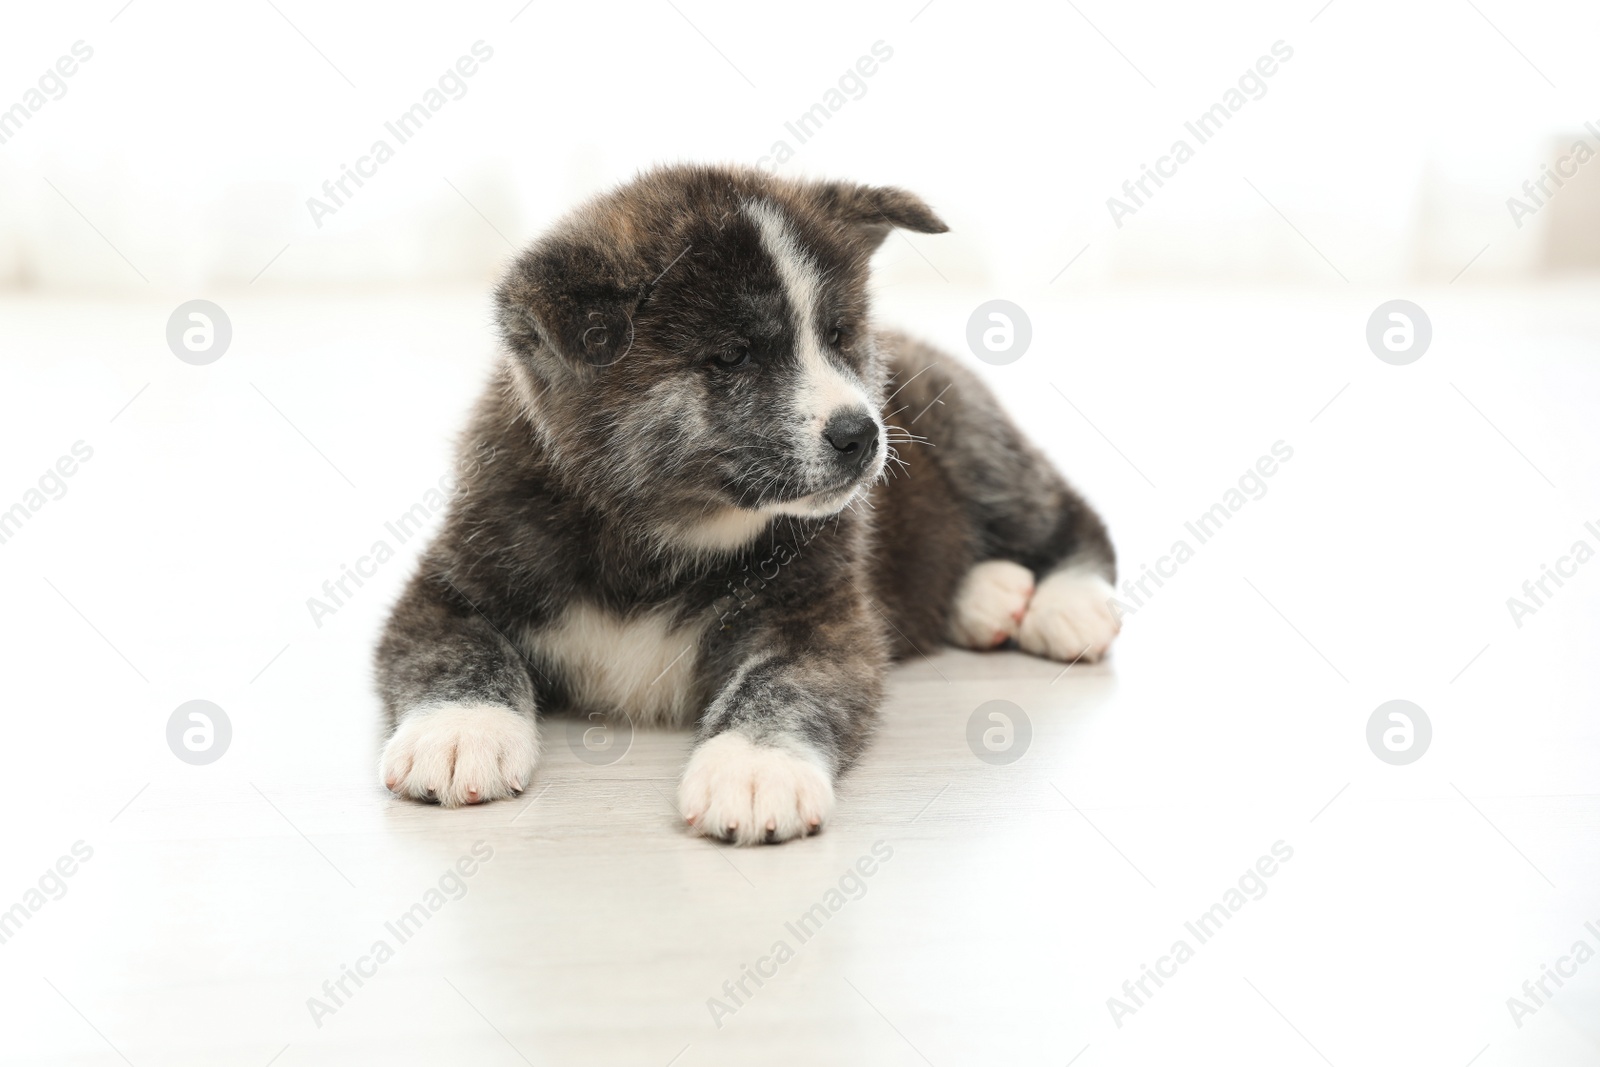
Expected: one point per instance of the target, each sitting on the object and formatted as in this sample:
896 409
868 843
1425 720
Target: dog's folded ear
874 210
568 296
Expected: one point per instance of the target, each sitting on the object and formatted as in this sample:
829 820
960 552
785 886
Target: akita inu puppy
692 494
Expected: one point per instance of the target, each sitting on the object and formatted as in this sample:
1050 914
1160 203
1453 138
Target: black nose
854 435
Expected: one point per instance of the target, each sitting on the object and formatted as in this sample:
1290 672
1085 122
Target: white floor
1014 899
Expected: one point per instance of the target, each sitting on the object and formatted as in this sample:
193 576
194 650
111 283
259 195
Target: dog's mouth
775 493
819 502
840 488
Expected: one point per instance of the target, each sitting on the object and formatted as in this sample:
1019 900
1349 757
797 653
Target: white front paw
738 791
1070 618
990 605
461 754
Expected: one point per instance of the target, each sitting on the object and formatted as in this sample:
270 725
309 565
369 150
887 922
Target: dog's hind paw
1070 618
990 604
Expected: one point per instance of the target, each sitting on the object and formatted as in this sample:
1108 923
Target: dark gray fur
609 429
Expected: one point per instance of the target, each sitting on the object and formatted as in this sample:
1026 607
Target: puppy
701 488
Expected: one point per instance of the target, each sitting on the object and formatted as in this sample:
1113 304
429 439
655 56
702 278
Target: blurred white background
196 133
1227 313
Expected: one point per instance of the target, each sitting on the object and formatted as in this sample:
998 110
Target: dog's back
967 487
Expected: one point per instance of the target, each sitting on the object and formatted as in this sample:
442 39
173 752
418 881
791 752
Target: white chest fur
641 666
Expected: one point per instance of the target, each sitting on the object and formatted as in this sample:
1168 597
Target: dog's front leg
782 727
460 701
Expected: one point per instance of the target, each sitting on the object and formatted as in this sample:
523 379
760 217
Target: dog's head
693 348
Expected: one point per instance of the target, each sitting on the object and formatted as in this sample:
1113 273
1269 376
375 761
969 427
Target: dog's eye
734 357
835 337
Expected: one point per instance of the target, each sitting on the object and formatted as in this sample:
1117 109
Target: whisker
908 381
